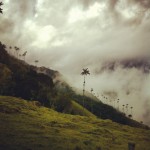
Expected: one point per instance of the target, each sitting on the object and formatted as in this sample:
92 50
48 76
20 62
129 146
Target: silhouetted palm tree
36 61
91 101
20 56
84 72
118 103
17 50
131 111
130 116
127 109
24 54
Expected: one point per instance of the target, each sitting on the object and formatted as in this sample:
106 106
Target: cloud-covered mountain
111 37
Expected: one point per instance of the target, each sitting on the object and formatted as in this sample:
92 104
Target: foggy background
110 37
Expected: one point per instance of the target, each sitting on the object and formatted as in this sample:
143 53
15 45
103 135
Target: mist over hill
48 87
109 37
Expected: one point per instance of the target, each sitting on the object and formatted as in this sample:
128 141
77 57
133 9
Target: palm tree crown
85 72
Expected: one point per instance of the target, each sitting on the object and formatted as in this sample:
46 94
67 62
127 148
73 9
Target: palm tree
118 103
91 101
24 54
17 50
36 61
20 56
127 109
131 111
130 116
84 72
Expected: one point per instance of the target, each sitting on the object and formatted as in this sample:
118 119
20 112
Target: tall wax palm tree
118 103
84 72
127 109
36 61
131 111
17 50
91 101
106 99
24 54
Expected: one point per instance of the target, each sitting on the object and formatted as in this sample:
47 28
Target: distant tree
36 61
20 56
131 111
118 103
130 116
17 50
127 109
106 100
1 10
91 101
141 122
84 72
24 55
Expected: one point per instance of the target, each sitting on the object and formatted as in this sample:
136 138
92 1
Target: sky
110 37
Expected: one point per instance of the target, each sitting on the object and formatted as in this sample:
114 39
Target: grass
77 109
26 126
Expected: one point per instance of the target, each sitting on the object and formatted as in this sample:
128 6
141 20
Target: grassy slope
77 109
23 125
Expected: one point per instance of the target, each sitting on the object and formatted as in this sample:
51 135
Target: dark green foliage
62 102
5 80
107 112
20 80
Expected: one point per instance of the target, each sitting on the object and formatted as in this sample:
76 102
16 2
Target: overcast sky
110 37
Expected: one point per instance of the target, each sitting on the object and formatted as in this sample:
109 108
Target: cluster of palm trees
113 102
18 55
126 109
16 52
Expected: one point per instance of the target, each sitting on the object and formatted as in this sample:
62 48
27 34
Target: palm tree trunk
91 104
83 91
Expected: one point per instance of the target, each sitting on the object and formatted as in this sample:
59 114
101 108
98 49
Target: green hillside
19 79
77 109
26 125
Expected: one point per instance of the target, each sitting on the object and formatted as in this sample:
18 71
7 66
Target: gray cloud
110 37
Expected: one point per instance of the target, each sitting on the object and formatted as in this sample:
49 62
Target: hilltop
27 125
